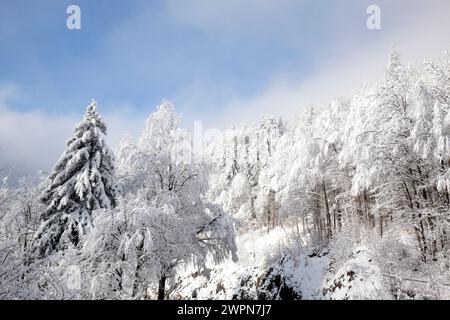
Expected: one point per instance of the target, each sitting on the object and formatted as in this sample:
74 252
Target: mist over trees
371 169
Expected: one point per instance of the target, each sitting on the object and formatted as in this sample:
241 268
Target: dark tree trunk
252 205
381 225
161 287
327 211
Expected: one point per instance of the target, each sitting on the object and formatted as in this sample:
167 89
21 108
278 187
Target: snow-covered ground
255 248
268 268
358 278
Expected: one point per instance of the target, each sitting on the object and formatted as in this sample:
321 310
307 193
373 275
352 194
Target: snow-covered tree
169 192
437 77
83 180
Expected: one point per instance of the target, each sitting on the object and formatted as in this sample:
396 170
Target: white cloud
236 17
33 141
419 31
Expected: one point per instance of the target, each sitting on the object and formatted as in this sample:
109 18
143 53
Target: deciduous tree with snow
167 192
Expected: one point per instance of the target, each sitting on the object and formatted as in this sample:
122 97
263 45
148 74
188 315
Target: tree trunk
370 216
444 239
381 225
327 211
339 216
161 287
252 206
434 248
317 220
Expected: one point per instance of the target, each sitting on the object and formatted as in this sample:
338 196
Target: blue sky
219 61
134 53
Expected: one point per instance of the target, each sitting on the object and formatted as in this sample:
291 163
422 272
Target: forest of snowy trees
371 170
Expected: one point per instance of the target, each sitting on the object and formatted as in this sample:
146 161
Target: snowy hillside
271 270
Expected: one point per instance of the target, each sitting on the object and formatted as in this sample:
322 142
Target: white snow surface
311 274
358 278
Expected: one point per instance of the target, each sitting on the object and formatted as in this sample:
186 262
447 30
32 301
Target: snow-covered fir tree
82 181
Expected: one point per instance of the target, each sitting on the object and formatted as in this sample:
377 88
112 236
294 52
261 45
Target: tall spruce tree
83 180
